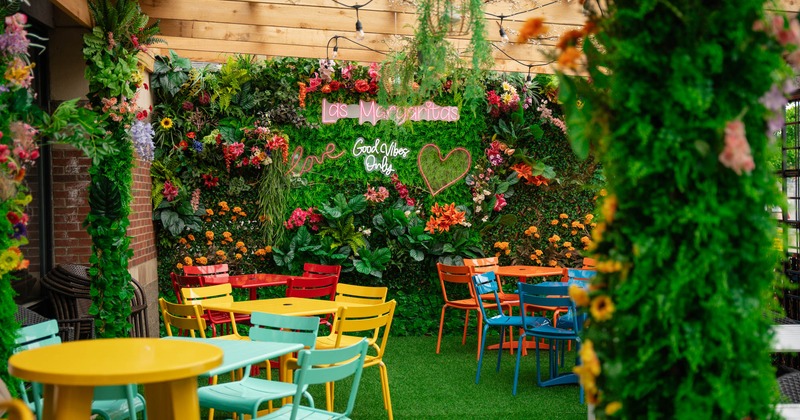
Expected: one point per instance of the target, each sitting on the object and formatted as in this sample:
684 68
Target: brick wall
70 207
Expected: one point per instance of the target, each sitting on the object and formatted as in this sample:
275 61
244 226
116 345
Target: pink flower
4 153
500 203
170 191
346 71
736 154
374 72
314 83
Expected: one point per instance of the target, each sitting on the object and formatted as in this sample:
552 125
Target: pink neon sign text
372 112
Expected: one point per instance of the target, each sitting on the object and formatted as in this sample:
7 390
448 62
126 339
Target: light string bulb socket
503 34
336 49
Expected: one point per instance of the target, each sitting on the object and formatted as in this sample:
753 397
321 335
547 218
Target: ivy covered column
682 103
121 32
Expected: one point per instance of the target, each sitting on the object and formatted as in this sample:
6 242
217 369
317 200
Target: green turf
426 385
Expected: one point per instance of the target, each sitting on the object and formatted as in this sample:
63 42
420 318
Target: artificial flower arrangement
336 80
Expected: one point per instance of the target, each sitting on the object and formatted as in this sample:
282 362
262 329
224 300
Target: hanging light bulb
359 31
336 52
503 36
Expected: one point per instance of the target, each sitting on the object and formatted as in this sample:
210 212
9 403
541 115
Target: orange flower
522 170
179 266
220 253
209 212
191 237
202 260
182 241
532 28
432 225
239 244
209 235
569 39
569 58
187 260
268 249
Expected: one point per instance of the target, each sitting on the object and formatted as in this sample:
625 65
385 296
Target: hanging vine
121 32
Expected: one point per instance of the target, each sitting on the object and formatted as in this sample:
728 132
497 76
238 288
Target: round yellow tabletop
168 370
115 361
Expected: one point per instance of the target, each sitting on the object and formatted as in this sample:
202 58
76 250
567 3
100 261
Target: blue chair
245 396
110 402
486 284
581 277
324 366
548 294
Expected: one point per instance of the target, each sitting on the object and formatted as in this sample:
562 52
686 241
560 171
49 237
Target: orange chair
483 265
218 293
456 274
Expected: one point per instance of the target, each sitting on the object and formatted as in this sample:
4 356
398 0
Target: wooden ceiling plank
78 10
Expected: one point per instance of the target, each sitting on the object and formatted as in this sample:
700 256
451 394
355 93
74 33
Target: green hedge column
687 259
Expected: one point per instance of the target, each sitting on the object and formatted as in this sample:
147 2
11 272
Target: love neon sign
372 112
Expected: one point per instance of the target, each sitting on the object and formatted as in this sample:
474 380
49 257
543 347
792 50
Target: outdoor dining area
462 209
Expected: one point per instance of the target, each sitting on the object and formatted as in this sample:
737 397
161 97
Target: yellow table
282 306
168 370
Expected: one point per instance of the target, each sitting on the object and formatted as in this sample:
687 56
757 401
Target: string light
503 34
335 39
359 34
528 65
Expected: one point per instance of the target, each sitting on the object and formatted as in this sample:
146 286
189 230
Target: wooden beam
78 10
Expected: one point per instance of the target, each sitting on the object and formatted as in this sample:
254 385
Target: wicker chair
68 287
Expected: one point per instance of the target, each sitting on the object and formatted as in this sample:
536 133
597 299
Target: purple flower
20 230
142 134
774 99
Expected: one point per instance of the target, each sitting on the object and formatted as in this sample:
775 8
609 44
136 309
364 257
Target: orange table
168 369
252 281
282 306
523 272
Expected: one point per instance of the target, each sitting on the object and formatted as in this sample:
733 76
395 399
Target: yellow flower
567 244
243 250
239 244
609 208
220 253
613 407
554 222
554 239
575 223
226 235
179 266
166 123
568 254
552 263
539 252
209 235
202 260
579 295
508 251
268 249
608 266
589 358
585 240
588 370
603 192
187 260
563 216
602 308
238 256
589 217
574 232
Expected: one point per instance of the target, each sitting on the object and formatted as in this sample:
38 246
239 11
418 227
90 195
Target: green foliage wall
215 214
686 253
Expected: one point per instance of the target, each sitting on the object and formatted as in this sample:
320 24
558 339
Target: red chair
318 281
217 273
179 282
212 317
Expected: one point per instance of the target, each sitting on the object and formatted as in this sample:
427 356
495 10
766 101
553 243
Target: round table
525 271
168 370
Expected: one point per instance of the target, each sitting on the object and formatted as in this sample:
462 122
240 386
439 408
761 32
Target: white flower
506 86
485 218
367 232
466 223
407 213
477 209
487 192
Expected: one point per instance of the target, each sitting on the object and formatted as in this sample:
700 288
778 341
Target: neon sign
372 112
379 150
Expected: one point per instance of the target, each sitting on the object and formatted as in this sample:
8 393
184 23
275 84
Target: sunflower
166 123
602 308
579 295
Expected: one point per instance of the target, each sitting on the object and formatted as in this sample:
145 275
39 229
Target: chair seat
303 413
329 341
505 298
548 331
223 317
516 321
469 303
244 396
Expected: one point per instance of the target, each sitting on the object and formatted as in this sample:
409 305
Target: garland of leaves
683 137
121 31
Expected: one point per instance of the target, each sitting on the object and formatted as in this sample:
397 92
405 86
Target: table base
173 400
67 402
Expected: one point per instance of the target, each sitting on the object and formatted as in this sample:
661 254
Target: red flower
187 106
183 145
170 191
326 89
13 217
210 180
204 98
373 88
191 135
335 85
141 115
361 86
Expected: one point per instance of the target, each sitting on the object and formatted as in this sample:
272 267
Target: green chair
246 395
324 366
110 402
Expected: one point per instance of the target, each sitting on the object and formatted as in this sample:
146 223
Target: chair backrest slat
546 294
364 318
482 265
320 270
366 295
218 293
284 328
205 270
486 283
312 287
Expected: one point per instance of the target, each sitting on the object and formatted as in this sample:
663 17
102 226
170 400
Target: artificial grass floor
426 385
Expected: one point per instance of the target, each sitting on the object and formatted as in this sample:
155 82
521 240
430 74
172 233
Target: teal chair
110 402
554 294
246 395
486 284
319 367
